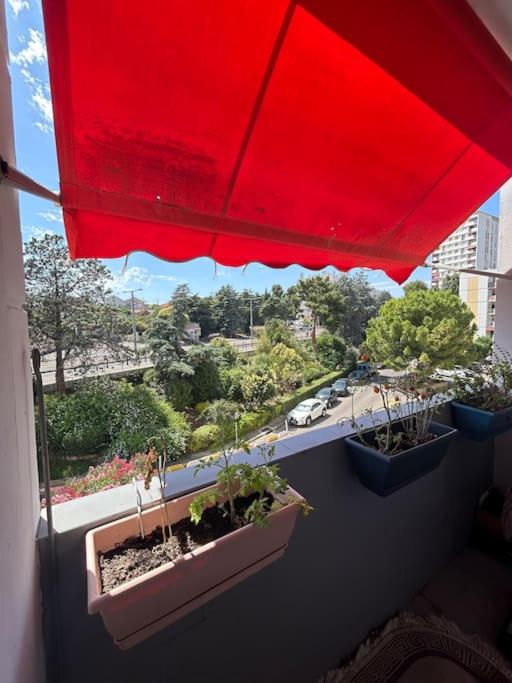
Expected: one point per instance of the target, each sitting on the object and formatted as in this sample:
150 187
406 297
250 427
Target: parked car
306 412
340 386
369 368
358 376
327 395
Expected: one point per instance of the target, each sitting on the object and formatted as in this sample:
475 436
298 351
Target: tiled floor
474 590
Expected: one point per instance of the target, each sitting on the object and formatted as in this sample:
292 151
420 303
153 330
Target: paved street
364 398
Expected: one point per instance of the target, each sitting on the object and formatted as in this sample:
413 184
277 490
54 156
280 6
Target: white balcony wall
21 650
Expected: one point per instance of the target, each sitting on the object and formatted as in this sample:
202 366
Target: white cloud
136 276
42 104
18 5
52 215
30 231
40 100
35 51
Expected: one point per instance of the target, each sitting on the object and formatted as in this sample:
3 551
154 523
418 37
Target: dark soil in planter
371 441
136 556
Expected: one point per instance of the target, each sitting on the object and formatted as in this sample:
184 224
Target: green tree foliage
323 298
275 332
201 311
68 307
180 306
231 382
362 302
451 282
331 351
227 354
415 286
179 392
257 389
432 326
110 416
164 344
276 305
286 366
482 347
228 311
205 381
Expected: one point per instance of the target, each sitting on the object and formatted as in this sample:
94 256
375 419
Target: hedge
203 437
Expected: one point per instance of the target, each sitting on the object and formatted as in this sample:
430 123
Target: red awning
349 133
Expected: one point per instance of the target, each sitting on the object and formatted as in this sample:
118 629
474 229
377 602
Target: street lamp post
134 328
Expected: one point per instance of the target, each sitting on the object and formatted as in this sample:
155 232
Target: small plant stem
229 491
162 461
139 507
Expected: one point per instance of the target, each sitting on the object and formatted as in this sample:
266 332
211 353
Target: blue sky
35 149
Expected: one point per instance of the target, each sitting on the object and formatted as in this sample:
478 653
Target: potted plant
148 570
402 442
482 405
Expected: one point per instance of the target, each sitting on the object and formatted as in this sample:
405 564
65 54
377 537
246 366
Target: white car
306 412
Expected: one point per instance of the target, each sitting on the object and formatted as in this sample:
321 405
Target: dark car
340 386
358 376
327 396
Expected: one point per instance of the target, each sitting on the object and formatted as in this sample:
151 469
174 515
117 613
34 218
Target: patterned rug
416 648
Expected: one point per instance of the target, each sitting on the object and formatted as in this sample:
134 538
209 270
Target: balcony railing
350 565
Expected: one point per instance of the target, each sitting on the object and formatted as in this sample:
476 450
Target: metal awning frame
9 175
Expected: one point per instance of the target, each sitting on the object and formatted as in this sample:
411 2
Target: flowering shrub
105 476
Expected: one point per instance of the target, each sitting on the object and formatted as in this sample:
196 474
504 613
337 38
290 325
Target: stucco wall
349 566
21 655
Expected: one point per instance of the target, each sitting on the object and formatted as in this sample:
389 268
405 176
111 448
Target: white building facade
473 245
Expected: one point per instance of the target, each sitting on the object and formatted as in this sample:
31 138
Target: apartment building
473 245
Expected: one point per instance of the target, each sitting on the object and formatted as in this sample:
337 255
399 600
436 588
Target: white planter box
139 608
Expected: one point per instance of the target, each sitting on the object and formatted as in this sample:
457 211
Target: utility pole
134 328
251 300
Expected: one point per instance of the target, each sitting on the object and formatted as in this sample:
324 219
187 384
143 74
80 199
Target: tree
286 366
227 354
164 343
180 305
415 286
275 305
201 311
323 299
205 381
257 389
362 303
274 332
432 326
450 282
482 347
68 307
227 311
331 350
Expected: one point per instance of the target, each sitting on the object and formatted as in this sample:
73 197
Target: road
364 399
103 362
